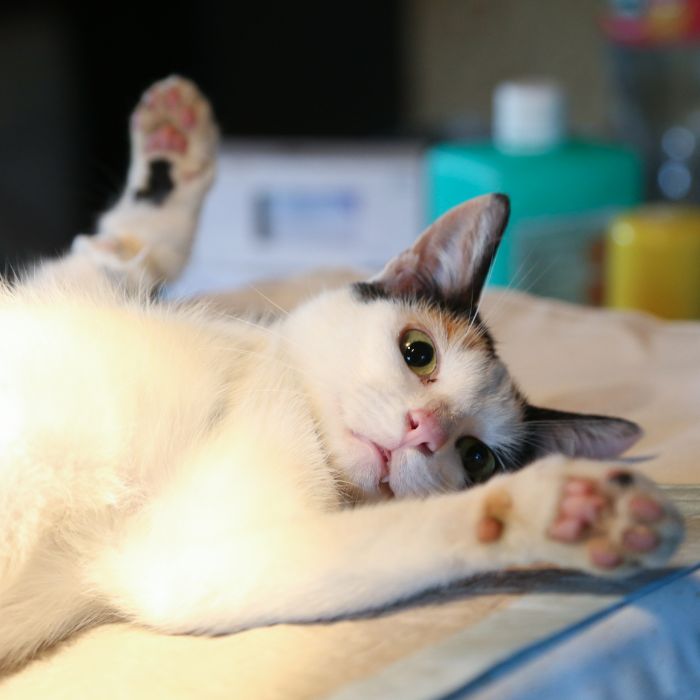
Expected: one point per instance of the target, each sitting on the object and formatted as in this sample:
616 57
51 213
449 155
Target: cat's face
410 395
398 386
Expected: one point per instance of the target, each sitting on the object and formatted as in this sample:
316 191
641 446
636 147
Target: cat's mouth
384 476
383 463
385 456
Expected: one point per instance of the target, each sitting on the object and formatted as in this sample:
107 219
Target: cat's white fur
195 472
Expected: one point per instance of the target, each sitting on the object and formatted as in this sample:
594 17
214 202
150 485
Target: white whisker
268 300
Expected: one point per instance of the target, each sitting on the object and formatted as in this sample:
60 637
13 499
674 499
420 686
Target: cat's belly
101 391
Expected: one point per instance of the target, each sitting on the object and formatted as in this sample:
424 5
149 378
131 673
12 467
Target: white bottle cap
528 116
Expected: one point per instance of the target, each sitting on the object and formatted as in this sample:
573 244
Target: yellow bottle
653 261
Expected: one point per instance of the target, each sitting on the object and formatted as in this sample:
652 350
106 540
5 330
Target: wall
457 50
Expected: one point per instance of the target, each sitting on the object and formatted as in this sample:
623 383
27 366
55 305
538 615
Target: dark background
70 74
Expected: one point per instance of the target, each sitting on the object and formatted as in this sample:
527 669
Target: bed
517 635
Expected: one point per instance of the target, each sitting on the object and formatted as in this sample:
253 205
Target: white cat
201 473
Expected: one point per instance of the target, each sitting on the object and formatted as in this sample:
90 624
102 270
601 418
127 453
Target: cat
198 473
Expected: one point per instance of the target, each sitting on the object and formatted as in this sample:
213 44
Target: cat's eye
477 459
418 352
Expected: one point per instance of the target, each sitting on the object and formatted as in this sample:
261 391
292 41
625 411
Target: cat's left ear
452 257
577 434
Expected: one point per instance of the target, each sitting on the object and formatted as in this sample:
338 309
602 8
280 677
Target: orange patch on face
454 326
460 329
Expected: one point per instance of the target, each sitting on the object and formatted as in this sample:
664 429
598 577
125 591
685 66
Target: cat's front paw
617 523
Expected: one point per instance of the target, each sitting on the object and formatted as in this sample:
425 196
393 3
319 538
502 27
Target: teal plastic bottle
563 192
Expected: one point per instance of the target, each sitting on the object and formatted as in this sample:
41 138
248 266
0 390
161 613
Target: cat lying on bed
202 474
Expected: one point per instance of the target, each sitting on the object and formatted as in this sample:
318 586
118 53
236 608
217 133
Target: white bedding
460 641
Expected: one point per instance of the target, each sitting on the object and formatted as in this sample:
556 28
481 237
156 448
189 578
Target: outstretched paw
622 521
173 139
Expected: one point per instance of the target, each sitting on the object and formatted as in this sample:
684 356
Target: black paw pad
160 182
621 478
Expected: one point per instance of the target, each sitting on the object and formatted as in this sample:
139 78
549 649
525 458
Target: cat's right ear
450 260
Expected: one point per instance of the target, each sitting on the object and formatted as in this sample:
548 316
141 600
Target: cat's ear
452 257
578 434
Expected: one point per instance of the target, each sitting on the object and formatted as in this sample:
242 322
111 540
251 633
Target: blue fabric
647 647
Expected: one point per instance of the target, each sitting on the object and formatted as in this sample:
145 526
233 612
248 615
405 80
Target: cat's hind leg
173 159
145 239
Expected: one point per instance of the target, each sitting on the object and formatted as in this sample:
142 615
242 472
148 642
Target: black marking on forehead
461 307
464 304
369 291
159 184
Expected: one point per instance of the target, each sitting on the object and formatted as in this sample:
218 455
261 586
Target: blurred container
283 208
653 261
563 192
654 47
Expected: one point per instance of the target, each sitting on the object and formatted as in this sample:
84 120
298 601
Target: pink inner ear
612 446
400 274
448 253
607 442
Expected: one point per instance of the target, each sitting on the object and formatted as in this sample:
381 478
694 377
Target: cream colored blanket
563 356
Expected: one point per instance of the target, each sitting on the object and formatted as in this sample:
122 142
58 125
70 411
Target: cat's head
410 394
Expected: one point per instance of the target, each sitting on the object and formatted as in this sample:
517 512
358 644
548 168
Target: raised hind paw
146 238
619 522
173 139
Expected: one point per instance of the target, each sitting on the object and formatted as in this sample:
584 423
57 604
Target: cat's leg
146 237
144 240
46 605
576 516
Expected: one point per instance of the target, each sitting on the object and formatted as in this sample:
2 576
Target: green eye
418 352
477 459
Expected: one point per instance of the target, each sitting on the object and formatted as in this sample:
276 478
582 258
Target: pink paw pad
166 138
173 142
621 518
603 554
489 529
188 118
166 114
639 539
172 97
646 510
579 509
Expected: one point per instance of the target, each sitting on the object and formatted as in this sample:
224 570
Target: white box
279 208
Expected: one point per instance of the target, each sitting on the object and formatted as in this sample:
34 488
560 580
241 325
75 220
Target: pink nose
424 431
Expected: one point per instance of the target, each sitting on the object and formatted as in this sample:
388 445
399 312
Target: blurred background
349 126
